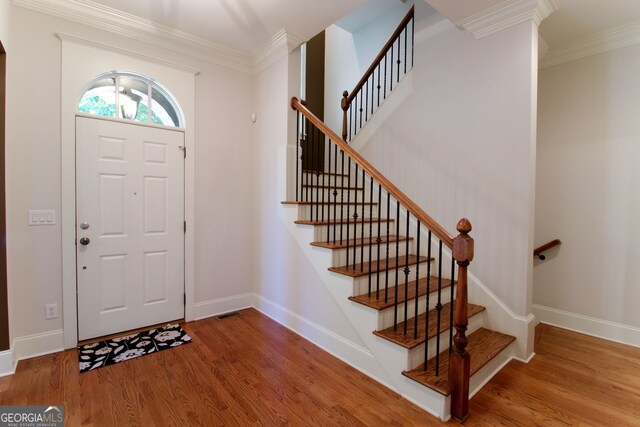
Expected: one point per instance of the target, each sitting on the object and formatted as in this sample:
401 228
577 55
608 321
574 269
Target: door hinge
185 298
185 226
184 150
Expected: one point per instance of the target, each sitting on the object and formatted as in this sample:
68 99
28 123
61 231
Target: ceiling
247 25
244 25
578 19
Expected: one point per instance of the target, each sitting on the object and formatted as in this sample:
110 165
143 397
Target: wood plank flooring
248 370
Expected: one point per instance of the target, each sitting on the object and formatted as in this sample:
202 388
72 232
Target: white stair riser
385 317
320 231
324 212
362 253
361 284
416 355
313 194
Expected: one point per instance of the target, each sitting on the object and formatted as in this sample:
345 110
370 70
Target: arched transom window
130 96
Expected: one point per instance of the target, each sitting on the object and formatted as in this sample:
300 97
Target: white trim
37 345
611 331
280 45
68 100
604 41
215 307
105 18
104 46
115 21
6 363
507 14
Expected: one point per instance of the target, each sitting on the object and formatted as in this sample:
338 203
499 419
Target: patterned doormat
116 350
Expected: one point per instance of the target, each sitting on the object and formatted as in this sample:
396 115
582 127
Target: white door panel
130 190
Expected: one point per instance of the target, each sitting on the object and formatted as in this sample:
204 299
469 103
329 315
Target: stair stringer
390 359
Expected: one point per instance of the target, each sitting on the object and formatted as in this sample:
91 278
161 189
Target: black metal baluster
426 333
370 230
355 219
386 276
373 79
378 85
398 62
305 126
335 188
391 70
395 306
297 150
439 307
407 270
321 145
406 30
453 264
415 318
366 101
342 196
385 78
362 226
360 110
311 164
350 120
348 205
327 207
378 241
319 189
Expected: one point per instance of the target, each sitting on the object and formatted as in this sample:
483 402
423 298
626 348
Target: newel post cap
463 243
343 102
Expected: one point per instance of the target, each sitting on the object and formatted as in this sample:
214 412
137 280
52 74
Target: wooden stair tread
484 345
332 222
367 241
325 173
408 341
329 203
356 271
380 304
332 187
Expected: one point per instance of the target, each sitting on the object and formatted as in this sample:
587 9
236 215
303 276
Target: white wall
463 145
223 170
282 274
5 12
587 191
349 54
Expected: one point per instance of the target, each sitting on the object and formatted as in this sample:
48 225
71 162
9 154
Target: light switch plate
42 217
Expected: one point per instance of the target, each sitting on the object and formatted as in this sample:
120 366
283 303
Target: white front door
129 226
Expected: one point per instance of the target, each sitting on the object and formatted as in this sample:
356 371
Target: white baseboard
219 306
37 345
349 352
6 363
599 328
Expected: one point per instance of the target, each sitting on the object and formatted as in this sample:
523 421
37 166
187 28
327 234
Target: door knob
85 241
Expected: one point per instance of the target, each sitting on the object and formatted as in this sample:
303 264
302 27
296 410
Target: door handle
85 241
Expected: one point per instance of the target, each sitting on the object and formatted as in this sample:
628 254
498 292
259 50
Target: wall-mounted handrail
398 195
539 251
378 77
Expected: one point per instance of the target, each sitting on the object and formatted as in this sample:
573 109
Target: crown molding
604 41
280 45
92 43
105 18
506 15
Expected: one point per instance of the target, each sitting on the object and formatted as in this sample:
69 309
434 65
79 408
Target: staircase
398 276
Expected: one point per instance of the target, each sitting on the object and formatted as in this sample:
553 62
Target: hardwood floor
249 370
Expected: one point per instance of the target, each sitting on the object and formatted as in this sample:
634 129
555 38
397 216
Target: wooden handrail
380 56
405 201
539 250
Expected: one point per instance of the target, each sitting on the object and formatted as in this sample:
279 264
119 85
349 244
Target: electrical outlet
51 311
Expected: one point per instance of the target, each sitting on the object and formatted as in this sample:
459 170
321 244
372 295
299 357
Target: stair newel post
345 107
459 362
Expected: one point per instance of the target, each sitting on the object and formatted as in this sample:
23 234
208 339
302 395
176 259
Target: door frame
76 72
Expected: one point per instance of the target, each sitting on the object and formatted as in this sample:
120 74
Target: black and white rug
116 350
